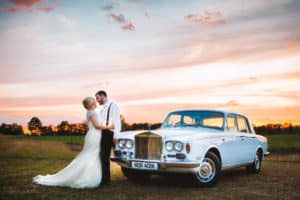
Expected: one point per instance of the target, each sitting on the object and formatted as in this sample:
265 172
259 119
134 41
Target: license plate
144 165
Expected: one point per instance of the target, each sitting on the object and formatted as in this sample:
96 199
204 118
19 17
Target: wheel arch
261 150
215 151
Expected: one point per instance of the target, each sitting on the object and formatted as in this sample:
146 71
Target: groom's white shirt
114 117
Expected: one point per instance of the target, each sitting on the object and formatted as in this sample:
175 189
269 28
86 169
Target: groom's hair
101 92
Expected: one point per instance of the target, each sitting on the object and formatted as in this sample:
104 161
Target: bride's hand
99 126
110 126
102 127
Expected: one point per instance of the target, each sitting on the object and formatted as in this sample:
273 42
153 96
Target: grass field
277 143
21 159
72 139
284 143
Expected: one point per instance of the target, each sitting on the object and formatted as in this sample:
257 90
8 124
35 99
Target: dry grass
23 159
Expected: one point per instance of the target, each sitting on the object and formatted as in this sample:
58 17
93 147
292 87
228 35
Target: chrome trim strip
236 165
162 165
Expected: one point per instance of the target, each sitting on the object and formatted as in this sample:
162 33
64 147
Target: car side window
216 122
188 120
242 124
174 120
231 123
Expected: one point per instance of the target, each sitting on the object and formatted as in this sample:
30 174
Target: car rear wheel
209 171
256 165
135 175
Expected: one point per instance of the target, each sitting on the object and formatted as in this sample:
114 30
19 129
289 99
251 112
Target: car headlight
169 146
122 144
178 146
129 144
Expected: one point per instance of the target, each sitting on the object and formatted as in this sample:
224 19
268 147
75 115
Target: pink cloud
129 27
119 18
19 6
213 13
232 103
12 9
46 9
208 17
194 18
26 3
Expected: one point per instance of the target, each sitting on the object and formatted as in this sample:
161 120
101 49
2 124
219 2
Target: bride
85 170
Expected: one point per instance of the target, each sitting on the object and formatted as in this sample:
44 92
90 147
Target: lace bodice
91 113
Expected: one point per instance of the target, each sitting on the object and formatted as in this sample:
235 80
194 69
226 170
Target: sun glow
166 60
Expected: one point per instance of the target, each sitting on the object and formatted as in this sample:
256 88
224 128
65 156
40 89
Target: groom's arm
116 120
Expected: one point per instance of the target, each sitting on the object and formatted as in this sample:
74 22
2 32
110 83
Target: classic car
202 143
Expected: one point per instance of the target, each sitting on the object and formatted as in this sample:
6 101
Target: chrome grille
148 146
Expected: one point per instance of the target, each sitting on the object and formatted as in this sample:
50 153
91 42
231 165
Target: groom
111 115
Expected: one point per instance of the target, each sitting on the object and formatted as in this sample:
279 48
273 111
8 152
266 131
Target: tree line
36 128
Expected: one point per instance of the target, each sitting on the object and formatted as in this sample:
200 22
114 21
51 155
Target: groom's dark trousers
106 146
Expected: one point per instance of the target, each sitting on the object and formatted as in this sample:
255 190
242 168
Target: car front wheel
210 169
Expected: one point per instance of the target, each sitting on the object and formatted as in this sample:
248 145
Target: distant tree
272 129
16 129
47 130
125 126
11 129
140 126
64 128
3 128
155 126
78 129
35 126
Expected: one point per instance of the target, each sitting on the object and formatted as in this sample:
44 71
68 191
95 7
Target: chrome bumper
163 166
267 153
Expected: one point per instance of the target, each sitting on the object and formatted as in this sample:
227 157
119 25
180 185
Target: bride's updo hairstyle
87 102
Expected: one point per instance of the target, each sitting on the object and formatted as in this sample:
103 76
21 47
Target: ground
21 159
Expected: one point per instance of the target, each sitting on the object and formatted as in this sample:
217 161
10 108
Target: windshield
207 119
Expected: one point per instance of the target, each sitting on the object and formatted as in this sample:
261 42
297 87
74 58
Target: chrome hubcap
257 162
207 170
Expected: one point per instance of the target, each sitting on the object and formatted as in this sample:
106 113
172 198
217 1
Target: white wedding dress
85 170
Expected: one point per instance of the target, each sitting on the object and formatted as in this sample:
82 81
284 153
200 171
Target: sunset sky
151 56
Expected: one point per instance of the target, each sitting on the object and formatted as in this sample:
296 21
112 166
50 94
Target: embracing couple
91 167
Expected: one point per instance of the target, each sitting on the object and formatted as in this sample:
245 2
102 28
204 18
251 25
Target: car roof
212 110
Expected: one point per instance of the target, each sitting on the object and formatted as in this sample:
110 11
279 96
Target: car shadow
183 180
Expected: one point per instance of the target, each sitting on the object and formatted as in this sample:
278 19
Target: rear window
243 124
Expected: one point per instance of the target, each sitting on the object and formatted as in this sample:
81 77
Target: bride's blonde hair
87 102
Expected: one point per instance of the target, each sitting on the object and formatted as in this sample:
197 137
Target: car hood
176 133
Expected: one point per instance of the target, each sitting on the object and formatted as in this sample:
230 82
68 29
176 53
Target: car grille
148 146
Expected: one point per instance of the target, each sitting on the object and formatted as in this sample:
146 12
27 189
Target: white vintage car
200 142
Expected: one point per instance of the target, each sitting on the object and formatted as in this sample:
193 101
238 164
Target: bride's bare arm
99 126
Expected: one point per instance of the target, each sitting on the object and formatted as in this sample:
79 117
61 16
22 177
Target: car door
231 146
248 139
